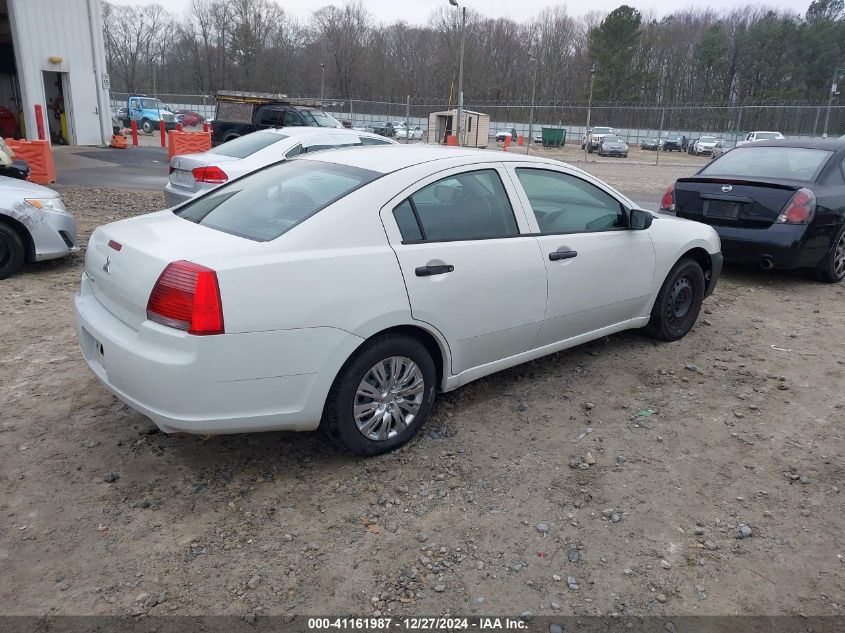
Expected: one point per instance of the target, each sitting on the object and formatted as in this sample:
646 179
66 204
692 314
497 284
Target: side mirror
639 220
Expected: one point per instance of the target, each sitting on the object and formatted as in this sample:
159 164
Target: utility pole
834 92
322 82
531 112
459 126
589 107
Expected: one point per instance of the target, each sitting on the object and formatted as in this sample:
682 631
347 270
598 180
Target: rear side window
272 117
247 145
748 161
266 204
468 206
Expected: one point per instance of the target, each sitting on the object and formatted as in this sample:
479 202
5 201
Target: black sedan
649 144
779 204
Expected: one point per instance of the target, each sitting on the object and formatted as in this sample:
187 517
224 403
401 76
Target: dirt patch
715 487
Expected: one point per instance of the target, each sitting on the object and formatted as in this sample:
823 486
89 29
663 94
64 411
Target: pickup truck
239 113
760 136
148 112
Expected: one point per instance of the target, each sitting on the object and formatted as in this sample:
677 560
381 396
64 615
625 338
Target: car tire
358 375
147 126
12 251
678 302
832 270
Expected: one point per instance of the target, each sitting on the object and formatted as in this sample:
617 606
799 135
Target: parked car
148 113
385 129
239 113
753 137
613 146
778 204
584 138
501 135
721 147
652 143
596 135
413 134
675 143
704 146
34 225
10 166
189 118
193 174
346 288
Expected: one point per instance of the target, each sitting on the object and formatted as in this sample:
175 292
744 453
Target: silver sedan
34 225
193 174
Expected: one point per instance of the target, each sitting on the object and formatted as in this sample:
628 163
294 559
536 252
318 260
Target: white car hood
25 189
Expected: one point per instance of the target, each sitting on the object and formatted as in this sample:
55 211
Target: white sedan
348 287
413 134
192 174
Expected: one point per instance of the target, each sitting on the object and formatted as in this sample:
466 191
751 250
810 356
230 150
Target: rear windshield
795 163
769 135
264 205
244 146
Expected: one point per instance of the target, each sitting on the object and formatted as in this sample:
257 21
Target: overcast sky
418 11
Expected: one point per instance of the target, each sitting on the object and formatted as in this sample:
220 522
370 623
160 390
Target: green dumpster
554 136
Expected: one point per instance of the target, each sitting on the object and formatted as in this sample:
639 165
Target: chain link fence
634 123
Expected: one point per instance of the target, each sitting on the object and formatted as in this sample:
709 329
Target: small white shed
475 128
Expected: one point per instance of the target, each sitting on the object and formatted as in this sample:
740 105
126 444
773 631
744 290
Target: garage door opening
11 110
58 107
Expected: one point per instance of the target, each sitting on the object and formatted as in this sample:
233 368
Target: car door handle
556 255
427 271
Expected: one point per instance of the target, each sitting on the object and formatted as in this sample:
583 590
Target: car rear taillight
667 202
187 297
800 209
211 175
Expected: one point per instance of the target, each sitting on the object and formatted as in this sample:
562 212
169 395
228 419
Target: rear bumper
778 246
176 195
231 383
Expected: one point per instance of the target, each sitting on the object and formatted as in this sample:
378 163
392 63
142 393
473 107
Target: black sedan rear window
264 205
793 163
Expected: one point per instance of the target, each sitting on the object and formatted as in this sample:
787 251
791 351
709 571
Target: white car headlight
47 204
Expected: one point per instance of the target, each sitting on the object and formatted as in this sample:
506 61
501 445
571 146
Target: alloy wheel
388 398
839 258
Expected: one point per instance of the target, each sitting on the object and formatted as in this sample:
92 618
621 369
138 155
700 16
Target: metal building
53 61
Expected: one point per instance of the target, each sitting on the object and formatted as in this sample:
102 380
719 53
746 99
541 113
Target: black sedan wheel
678 302
833 268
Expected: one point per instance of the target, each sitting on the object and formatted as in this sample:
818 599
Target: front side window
291 119
263 205
566 204
468 206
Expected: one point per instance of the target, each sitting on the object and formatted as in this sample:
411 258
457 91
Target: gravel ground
623 476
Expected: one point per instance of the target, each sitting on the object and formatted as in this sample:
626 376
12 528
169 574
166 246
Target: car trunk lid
750 203
181 168
124 259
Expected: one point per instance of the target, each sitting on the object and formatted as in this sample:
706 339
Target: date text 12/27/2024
416 624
